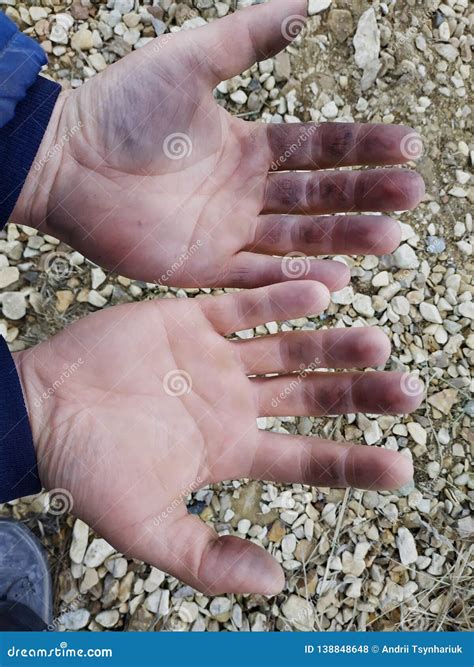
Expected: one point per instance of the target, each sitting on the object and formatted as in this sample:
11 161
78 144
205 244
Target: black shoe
25 580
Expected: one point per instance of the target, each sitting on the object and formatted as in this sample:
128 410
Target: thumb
233 44
216 565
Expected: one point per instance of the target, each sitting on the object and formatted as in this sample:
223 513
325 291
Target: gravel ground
354 560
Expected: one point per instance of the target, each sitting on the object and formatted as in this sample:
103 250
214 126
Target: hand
144 173
134 407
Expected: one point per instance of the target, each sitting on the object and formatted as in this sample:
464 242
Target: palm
138 427
191 179
164 185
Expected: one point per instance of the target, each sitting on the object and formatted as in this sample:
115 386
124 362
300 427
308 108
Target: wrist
37 412
34 202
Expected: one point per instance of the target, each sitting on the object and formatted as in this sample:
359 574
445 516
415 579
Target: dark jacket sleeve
18 465
26 103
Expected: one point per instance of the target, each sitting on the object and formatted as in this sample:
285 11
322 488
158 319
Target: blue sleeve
26 104
18 466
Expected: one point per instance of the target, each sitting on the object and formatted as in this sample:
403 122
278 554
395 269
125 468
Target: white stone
363 305
221 609
98 62
447 51
344 296
288 544
124 6
430 313
108 618
355 589
96 299
97 277
437 562
244 526
462 177
8 276
466 309
367 47
406 546
444 400
13 305
372 433
97 552
466 527
154 580
316 6
82 40
381 279
299 612
158 602
401 305
75 620
58 34
352 565
188 612
405 257
239 97
417 432
131 36
38 13
330 110
80 538
117 567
